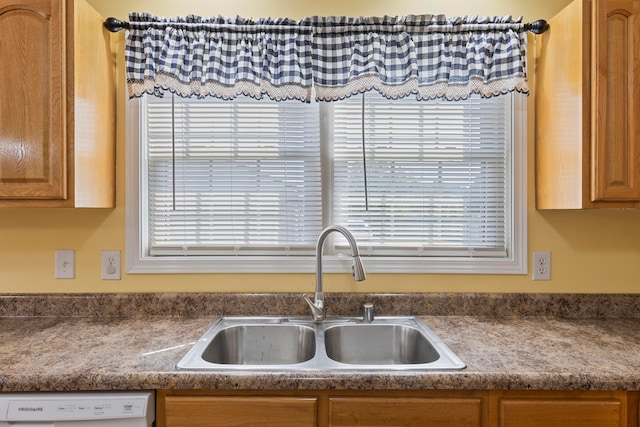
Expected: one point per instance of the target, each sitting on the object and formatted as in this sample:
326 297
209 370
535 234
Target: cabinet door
616 101
561 412
405 412
240 411
32 100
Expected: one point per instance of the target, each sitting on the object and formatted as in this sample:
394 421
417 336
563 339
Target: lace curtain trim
165 83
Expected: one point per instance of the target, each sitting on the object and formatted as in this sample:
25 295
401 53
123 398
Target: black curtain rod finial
537 27
114 25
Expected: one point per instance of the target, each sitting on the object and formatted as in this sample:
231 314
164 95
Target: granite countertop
96 347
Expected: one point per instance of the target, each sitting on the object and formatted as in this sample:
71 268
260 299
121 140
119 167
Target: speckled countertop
511 341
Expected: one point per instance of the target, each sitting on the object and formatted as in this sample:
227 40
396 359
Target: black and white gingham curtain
427 56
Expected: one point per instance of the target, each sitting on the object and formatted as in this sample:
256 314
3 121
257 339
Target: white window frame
139 262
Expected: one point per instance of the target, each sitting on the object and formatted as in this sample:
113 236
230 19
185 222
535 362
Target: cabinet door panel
202 411
32 118
560 413
406 412
616 101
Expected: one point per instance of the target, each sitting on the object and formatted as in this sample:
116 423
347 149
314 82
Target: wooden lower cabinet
560 409
463 411
395 408
239 411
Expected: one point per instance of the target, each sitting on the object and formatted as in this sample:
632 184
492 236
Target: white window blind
238 177
438 175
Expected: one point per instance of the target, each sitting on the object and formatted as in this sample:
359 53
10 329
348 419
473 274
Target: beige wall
530 10
591 251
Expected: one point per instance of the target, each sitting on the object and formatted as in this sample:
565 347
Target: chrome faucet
357 269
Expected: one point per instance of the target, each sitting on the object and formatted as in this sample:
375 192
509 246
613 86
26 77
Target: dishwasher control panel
52 407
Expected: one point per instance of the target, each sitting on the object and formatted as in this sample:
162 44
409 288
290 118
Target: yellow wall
591 251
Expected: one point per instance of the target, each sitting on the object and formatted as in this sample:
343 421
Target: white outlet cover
111 265
541 265
65 264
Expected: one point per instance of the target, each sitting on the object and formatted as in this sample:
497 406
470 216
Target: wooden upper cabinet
57 105
32 94
616 100
587 78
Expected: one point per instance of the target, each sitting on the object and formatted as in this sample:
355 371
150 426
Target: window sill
331 264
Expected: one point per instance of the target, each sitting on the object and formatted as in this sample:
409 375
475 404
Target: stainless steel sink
261 345
376 344
281 343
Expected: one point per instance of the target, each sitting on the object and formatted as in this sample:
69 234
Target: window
247 186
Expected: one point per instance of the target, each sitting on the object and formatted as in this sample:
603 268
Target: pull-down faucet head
357 269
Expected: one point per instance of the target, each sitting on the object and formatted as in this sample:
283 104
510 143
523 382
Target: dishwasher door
90 409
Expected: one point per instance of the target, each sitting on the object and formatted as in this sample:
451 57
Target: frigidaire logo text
30 409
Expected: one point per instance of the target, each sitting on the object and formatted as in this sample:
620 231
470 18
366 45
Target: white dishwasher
90 409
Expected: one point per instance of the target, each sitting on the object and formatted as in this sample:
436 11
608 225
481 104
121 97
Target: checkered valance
427 56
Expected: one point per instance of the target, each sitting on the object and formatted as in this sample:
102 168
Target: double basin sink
280 343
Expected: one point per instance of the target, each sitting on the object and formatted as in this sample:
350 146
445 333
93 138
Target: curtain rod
114 25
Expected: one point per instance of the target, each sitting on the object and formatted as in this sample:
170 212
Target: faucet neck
320 245
317 306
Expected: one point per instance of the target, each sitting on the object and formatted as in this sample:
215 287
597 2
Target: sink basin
378 344
261 345
298 343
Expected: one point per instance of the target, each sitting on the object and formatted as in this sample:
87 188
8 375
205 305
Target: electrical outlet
110 265
541 264
65 264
